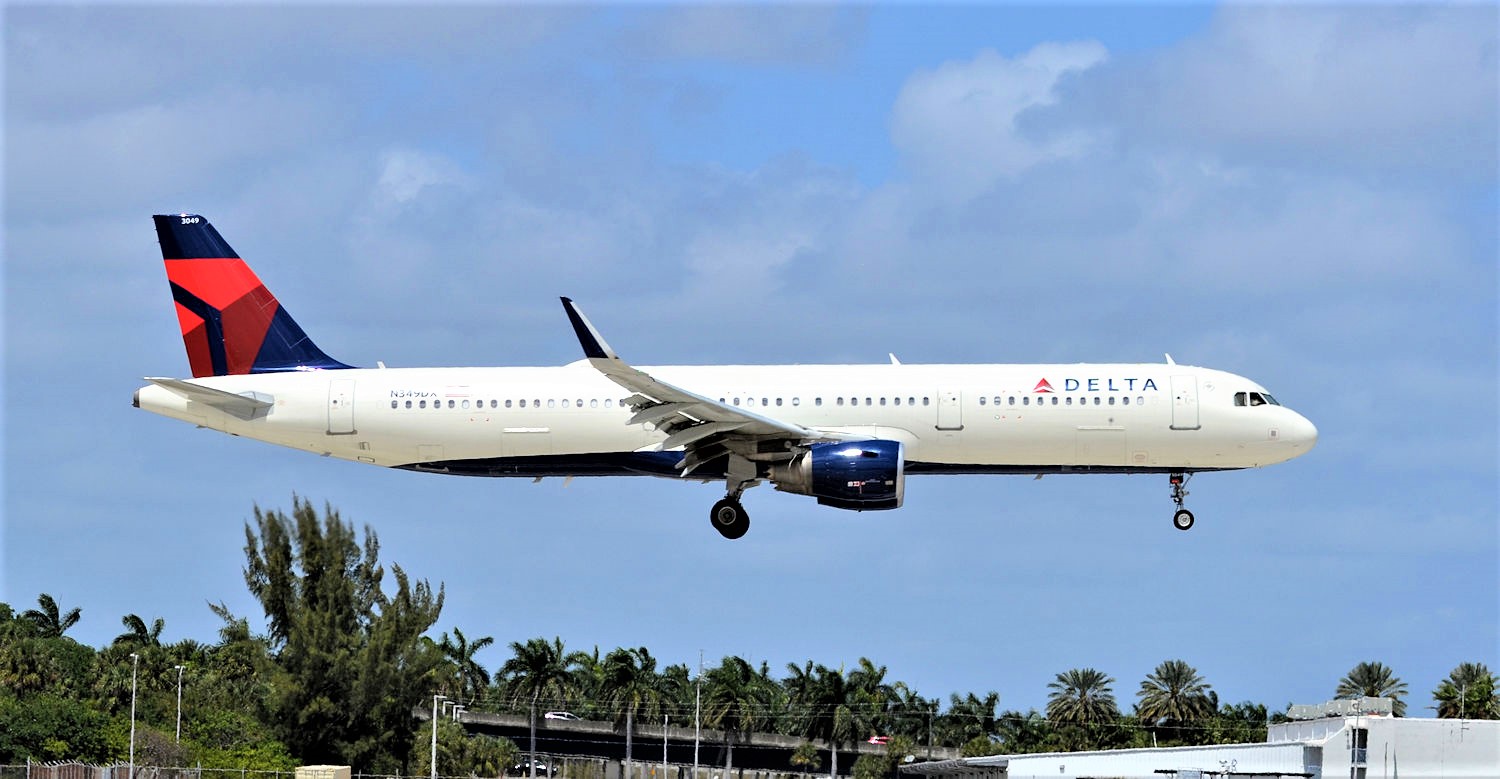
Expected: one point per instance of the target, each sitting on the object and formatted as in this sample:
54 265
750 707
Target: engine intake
856 475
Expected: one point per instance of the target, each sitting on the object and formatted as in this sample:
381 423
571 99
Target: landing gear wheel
1183 519
729 518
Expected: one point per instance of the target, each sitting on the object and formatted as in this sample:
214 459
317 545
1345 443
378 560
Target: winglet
1170 361
593 344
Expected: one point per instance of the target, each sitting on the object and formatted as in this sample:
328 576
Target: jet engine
857 475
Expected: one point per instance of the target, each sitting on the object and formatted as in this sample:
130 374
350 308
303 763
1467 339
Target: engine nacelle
858 475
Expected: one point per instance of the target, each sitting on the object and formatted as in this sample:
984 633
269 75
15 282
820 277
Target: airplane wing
706 429
248 406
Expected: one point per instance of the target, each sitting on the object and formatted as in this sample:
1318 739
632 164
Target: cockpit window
1254 399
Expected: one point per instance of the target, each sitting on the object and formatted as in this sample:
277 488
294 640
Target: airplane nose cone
1301 433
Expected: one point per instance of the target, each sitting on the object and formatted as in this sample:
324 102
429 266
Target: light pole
179 702
135 664
697 712
435 700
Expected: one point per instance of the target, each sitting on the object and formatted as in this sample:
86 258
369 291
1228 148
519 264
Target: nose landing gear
1182 519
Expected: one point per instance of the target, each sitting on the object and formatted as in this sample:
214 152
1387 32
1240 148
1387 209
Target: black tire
1183 519
729 518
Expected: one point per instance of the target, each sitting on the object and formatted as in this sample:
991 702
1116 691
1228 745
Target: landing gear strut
1182 519
729 518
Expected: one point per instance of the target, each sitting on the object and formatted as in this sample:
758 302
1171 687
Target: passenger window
882 401
609 402
796 401
408 404
421 404
593 402
450 404
765 402
1140 400
981 400
1054 400
897 400
868 403
551 402
778 402
393 404
565 403
817 401
1111 400
1011 401
736 401
466 404
507 402
1069 401
523 403
1097 401
926 400
839 401
1026 400
1125 401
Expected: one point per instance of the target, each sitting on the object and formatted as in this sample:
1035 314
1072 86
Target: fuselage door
950 410
1185 403
341 407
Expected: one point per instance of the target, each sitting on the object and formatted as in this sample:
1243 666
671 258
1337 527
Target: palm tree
1173 695
968 718
1082 698
630 685
472 678
1373 680
537 669
49 621
737 700
1468 692
136 634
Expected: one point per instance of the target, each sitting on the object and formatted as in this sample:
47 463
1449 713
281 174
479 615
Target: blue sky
1305 195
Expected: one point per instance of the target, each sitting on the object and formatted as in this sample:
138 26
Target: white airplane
846 435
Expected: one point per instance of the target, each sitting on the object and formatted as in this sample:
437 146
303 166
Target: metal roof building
1342 747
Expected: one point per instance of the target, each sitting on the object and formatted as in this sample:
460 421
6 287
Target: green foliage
350 665
47 620
459 754
1081 702
44 726
1373 680
805 757
1469 692
1174 701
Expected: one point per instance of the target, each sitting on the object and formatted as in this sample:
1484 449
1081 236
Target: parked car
562 715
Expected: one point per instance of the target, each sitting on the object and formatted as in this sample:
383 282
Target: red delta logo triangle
1043 386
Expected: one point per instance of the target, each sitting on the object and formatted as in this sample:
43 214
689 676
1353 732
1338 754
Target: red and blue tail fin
231 324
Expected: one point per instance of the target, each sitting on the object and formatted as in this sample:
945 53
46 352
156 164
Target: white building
1342 747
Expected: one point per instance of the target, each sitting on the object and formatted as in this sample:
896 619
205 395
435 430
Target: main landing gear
1182 519
729 518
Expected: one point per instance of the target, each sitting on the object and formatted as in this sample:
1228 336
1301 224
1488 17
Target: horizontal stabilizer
247 406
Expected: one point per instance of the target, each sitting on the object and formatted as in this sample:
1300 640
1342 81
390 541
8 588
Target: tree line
345 656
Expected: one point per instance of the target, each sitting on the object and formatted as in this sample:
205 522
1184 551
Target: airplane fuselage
569 420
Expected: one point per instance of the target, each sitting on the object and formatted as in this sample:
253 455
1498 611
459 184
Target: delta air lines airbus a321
847 435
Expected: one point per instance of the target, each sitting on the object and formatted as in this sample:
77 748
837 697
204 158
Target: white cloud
958 123
1362 89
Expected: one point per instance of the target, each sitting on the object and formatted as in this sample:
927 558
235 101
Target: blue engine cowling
857 475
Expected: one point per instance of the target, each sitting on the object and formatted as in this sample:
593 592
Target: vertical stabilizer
231 324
